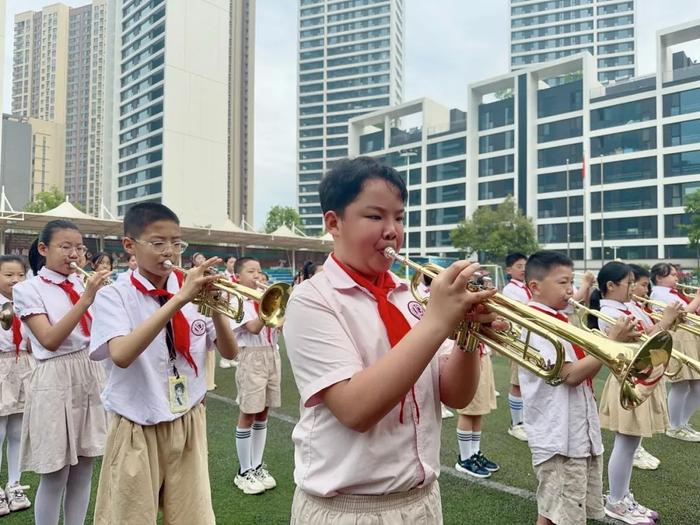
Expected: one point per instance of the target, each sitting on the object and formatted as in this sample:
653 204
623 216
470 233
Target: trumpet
690 322
638 368
273 301
687 289
7 315
681 358
86 275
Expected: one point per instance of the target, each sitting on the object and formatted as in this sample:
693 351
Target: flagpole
585 212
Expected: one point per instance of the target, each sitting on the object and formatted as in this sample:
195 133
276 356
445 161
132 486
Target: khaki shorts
258 379
570 490
421 506
147 467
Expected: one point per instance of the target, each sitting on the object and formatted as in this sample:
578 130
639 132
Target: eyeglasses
67 249
160 247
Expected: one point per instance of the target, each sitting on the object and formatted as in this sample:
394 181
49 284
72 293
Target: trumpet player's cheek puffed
150 263
553 289
368 224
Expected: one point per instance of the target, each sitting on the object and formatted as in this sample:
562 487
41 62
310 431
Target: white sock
692 401
3 433
464 440
516 409
676 402
77 495
476 442
243 447
259 437
14 438
620 465
47 503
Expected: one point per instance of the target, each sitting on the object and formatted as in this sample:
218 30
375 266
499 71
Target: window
682 251
496 189
675 194
442 216
686 163
553 233
496 165
496 114
560 99
558 156
455 192
682 102
557 207
448 148
438 238
680 133
674 225
625 142
562 129
625 199
625 170
637 111
447 171
549 182
628 253
497 142
626 228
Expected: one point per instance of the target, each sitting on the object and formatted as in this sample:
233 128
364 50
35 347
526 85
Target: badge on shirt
416 309
179 397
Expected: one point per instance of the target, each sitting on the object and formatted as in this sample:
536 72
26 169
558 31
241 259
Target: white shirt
6 336
517 291
614 309
36 296
663 294
559 419
244 337
333 330
125 276
140 391
640 314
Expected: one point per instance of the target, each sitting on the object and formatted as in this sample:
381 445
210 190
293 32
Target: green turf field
672 489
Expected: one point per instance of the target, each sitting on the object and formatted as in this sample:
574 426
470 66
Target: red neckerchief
681 296
67 286
394 321
181 328
16 333
580 354
267 329
647 310
523 286
639 326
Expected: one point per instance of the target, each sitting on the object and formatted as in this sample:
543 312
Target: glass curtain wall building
350 62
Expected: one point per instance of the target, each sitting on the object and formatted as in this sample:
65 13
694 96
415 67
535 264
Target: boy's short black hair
541 263
238 266
344 181
139 216
639 271
514 257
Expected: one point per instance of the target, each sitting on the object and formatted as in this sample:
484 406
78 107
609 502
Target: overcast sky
449 44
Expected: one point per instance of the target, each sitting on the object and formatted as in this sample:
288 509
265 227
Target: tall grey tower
351 61
541 31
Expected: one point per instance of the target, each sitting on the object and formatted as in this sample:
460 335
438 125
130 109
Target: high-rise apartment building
173 93
546 30
351 61
60 75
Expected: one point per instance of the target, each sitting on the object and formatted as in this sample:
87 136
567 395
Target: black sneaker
486 462
472 467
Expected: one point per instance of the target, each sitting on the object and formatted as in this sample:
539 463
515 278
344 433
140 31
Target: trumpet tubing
690 324
86 275
687 289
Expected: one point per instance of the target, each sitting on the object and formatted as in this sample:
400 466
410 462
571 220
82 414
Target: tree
279 215
692 209
495 232
47 200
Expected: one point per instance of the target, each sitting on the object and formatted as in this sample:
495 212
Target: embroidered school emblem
199 327
416 309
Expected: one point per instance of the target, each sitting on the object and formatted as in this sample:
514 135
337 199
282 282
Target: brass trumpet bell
7 315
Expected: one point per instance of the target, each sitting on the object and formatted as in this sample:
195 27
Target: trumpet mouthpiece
73 265
168 265
389 252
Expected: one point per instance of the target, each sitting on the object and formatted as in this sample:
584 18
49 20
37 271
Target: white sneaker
234 363
518 432
16 497
265 478
446 412
652 514
682 434
691 430
4 508
498 394
625 512
654 461
249 483
225 363
643 460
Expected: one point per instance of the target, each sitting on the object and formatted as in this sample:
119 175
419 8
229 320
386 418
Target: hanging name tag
179 395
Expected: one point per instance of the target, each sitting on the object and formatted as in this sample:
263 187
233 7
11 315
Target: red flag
583 168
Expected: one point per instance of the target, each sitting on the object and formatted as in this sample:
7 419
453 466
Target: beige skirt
63 418
485 397
688 344
651 417
15 374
